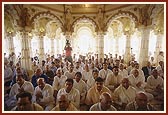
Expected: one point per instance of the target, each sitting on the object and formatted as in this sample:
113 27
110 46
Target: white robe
123 95
73 96
59 83
47 93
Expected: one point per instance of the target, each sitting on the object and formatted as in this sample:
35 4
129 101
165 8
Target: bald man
43 95
140 103
105 103
124 94
64 104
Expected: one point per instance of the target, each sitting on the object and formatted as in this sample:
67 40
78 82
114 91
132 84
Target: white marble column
127 55
41 47
25 59
159 46
101 45
10 43
143 57
52 46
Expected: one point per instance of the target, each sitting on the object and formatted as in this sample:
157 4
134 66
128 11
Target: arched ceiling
50 17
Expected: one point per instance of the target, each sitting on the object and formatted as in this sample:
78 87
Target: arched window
85 42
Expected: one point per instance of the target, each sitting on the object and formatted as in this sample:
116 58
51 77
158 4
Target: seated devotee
86 73
34 66
53 67
155 85
140 103
19 70
20 86
152 61
81 86
43 65
72 93
136 80
24 103
38 74
123 94
160 57
59 82
147 70
141 73
70 73
92 66
160 69
43 95
64 104
104 104
94 92
49 73
113 80
130 67
8 74
78 67
123 72
66 66
103 73
91 81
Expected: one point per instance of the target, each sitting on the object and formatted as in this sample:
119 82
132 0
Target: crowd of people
84 84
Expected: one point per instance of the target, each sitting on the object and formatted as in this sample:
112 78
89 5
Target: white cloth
86 75
112 80
123 95
27 86
104 73
82 87
90 82
70 74
47 93
141 73
123 73
73 96
59 83
152 83
134 80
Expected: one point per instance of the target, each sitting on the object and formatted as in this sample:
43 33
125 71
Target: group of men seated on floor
90 86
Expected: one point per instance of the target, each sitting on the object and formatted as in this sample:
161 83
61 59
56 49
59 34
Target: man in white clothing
72 93
123 72
124 94
113 80
91 81
141 73
86 73
59 82
43 95
70 73
136 80
20 86
155 84
81 86
103 73
105 103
